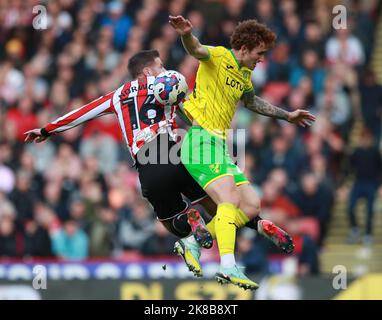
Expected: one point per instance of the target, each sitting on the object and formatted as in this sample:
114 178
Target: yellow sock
211 227
241 218
225 228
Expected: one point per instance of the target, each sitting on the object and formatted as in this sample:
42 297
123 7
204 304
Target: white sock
191 239
227 260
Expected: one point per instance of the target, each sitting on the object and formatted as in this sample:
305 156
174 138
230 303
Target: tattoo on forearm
258 105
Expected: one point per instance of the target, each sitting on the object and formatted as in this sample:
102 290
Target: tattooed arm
259 105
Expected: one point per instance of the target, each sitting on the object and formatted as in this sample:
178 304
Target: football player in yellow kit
223 79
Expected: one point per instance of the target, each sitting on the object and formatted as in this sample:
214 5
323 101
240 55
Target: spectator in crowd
7 181
135 231
10 240
81 212
314 202
279 67
278 206
43 154
265 12
53 197
294 33
6 207
103 148
367 165
280 155
103 58
307 255
344 46
327 141
318 167
37 240
334 104
256 147
66 165
119 21
161 242
313 38
371 103
47 218
27 164
310 67
22 197
6 157
92 170
294 140
12 82
70 242
279 179
23 117
252 254
102 233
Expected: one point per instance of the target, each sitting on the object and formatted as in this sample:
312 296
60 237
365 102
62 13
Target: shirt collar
237 62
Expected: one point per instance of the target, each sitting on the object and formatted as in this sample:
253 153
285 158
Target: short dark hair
252 33
141 60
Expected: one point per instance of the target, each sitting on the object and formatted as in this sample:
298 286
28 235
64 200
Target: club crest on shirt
246 75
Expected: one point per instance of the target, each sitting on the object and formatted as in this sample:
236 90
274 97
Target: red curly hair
252 34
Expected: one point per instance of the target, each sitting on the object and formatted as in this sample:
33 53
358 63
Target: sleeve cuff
208 57
45 133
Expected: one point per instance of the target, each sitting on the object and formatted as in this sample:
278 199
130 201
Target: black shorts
164 183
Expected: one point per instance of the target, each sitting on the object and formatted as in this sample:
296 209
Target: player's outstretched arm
300 117
191 43
36 135
94 109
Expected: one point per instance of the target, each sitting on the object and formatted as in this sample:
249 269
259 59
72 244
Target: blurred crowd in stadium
75 195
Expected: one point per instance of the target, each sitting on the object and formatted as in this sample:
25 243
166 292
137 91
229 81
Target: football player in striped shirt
223 79
144 122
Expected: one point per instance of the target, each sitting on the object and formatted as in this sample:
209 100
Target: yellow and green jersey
220 84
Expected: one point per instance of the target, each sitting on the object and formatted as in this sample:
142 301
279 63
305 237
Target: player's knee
251 207
233 198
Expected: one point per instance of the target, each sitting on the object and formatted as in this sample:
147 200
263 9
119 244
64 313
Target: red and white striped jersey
141 118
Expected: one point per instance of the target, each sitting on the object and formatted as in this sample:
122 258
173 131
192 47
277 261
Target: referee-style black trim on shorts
163 184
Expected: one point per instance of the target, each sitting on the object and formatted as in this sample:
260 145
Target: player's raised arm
256 104
191 43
